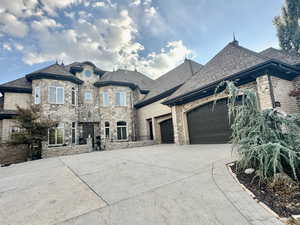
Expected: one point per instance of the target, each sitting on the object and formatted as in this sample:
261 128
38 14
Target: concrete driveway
162 184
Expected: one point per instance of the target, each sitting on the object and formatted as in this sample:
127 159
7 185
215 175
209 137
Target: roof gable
171 80
230 60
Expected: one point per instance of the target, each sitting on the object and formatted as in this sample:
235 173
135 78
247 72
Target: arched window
74 97
122 130
107 132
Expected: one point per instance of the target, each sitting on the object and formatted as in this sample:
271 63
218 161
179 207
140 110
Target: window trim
103 98
125 98
56 95
62 127
107 126
37 95
74 92
92 96
122 126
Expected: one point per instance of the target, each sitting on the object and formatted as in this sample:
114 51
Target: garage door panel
167 131
209 124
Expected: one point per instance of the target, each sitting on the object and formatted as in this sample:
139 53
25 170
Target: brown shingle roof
172 79
286 57
134 77
230 60
18 83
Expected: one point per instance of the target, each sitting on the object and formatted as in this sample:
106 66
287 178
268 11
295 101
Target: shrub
266 140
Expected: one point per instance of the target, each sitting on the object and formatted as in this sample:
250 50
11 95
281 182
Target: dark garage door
209 126
167 132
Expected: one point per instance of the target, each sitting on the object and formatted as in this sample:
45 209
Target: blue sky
151 35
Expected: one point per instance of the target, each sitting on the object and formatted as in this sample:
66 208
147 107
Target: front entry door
88 130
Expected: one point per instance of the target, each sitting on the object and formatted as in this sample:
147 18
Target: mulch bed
282 199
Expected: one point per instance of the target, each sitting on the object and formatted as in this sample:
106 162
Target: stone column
264 92
177 116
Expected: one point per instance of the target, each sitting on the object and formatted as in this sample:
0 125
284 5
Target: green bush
266 140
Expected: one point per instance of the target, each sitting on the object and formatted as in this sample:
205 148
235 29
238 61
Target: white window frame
91 95
37 95
105 95
59 127
56 95
122 126
121 93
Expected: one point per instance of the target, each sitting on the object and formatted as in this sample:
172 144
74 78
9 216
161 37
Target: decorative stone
249 171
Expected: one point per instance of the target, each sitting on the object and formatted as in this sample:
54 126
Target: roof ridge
251 51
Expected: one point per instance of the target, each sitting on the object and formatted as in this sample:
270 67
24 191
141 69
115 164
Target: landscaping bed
283 196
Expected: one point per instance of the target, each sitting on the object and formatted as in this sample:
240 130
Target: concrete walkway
157 185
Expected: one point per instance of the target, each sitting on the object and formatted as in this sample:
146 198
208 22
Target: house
126 106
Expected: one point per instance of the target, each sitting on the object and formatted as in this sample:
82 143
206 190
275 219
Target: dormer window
88 73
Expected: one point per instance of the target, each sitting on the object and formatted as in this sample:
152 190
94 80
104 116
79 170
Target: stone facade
128 144
65 150
11 100
12 154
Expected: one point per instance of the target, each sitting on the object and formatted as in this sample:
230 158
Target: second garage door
167 132
209 126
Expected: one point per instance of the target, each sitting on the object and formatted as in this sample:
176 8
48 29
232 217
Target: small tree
288 26
33 129
265 140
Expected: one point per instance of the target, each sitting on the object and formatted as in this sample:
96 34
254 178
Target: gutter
239 75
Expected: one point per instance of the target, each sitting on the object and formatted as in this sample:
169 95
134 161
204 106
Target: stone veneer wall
113 113
128 144
12 154
6 129
11 100
297 87
264 92
282 89
64 150
64 113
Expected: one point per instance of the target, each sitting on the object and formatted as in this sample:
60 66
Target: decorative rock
249 171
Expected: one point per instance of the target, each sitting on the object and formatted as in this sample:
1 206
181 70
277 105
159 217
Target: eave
4 89
120 83
156 98
39 76
271 67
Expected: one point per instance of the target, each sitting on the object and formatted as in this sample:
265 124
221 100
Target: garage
167 132
208 125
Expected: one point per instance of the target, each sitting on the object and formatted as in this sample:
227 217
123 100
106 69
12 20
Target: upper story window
37 95
88 73
121 99
74 96
105 99
56 95
88 96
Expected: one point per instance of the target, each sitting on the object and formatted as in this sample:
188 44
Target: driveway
156 185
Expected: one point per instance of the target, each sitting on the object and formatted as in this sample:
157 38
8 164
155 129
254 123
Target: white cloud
7 46
99 4
109 39
12 25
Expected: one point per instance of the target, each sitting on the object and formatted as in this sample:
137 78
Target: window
74 97
88 73
122 130
56 135
37 96
107 134
73 133
121 99
56 95
105 99
88 96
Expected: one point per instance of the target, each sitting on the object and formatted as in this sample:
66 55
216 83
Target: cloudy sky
151 35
